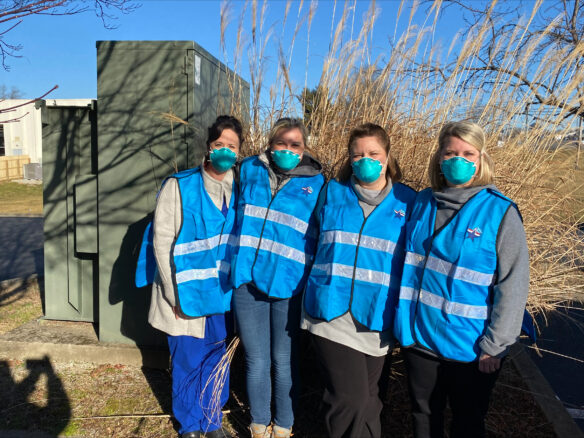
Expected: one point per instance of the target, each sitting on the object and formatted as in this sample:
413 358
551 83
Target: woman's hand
488 364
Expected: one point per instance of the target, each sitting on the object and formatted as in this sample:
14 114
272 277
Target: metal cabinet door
70 212
145 93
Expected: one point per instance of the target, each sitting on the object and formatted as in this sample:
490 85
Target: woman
279 189
193 221
354 283
464 286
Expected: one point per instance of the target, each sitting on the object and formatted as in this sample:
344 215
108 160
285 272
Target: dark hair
222 123
371 130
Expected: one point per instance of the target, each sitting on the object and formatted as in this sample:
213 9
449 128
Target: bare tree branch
17 10
28 102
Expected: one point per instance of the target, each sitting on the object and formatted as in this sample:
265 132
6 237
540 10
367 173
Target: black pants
351 395
433 381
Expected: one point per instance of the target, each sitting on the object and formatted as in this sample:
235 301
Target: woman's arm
167 222
509 292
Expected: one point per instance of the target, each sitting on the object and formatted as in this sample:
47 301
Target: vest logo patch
473 233
399 213
307 190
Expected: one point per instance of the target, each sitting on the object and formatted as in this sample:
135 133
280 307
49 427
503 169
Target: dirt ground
88 400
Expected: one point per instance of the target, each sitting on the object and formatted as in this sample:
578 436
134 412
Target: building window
2 149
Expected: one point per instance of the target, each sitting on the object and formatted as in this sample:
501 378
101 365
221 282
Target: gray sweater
512 277
344 330
167 223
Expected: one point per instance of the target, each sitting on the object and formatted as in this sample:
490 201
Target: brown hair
286 124
371 130
472 134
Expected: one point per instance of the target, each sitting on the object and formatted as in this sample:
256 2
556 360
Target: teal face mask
222 159
286 159
458 170
367 169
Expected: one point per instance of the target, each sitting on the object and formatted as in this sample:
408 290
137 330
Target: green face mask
222 159
367 169
286 159
458 170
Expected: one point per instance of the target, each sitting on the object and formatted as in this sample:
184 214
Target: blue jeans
268 329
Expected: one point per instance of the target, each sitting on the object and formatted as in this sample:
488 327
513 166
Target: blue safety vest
359 260
276 235
445 295
202 251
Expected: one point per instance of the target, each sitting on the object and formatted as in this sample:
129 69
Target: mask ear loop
386 165
478 165
207 158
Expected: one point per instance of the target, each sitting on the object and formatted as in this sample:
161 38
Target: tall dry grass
412 90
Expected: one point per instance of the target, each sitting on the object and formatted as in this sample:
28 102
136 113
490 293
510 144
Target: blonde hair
472 134
286 124
393 171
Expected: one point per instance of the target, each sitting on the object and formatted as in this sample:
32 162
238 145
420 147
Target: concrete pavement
21 243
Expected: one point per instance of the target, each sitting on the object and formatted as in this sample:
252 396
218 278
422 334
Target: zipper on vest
357 254
434 234
419 292
355 263
264 224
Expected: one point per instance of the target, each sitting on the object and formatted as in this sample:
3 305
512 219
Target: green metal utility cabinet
155 100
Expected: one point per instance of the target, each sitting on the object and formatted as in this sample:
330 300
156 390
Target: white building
21 128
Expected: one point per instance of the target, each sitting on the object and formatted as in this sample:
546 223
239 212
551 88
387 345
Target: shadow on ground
50 415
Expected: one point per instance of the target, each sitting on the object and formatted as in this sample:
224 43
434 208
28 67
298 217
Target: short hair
370 130
221 123
286 124
472 134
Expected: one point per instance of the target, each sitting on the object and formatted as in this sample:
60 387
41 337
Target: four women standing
460 245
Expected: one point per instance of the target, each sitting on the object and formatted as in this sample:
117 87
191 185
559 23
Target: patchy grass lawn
20 302
88 400
21 199
77 399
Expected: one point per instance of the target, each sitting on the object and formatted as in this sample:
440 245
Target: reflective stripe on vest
448 307
203 249
273 247
358 267
448 269
276 235
445 294
205 244
277 217
203 274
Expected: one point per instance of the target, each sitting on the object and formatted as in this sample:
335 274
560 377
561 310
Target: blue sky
60 50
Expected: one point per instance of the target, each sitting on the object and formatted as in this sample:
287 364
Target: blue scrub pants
193 361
